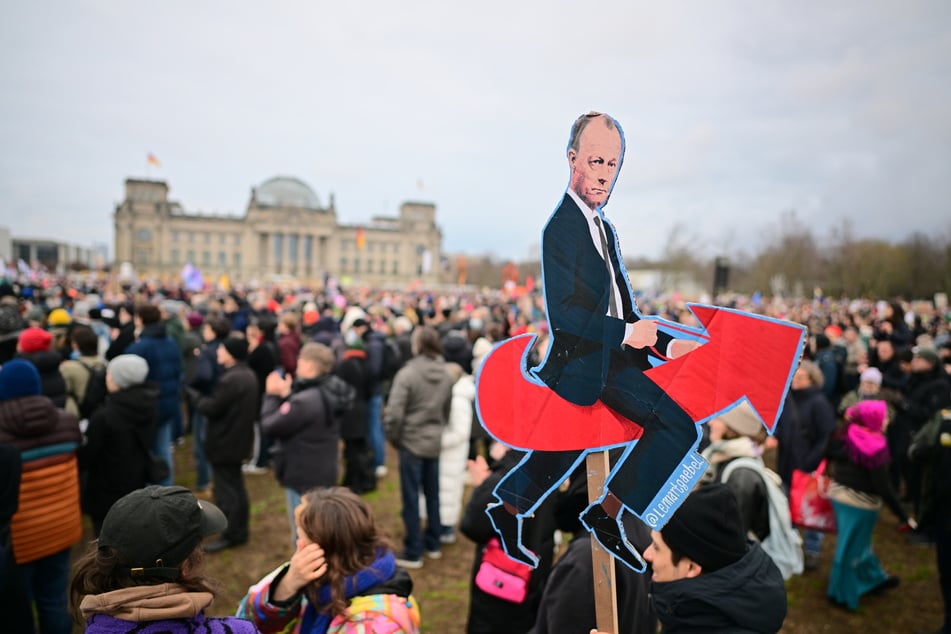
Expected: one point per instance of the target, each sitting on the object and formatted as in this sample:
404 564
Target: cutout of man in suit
599 351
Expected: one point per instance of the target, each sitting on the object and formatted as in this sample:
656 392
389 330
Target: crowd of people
98 384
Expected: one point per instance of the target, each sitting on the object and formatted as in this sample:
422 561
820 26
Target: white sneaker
434 554
252 469
409 564
381 471
448 538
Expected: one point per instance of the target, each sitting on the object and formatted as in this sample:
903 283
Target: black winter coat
263 360
355 371
115 455
306 431
206 370
46 362
803 431
488 614
231 409
745 597
568 602
927 394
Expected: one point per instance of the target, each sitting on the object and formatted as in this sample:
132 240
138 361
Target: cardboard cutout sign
615 378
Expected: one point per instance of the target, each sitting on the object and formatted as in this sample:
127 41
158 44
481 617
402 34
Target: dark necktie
607 261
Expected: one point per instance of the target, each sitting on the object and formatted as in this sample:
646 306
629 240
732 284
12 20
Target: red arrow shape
746 356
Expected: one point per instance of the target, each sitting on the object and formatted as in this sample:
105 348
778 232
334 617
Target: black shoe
220 544
508 528
921 538
888 584
839 604
610 534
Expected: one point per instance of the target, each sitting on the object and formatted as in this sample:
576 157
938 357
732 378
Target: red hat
35 340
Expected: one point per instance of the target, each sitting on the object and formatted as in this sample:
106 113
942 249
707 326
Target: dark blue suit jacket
586 344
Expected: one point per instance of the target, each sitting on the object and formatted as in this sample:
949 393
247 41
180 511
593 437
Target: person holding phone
302 417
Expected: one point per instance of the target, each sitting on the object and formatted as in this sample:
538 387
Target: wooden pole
602 562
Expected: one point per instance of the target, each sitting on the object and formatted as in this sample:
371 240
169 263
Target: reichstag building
285 234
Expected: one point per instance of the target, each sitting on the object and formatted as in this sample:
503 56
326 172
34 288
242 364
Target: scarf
382 568
864 440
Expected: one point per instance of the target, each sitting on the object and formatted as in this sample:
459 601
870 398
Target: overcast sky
733 112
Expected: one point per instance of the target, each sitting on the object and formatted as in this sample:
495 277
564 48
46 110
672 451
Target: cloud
733 112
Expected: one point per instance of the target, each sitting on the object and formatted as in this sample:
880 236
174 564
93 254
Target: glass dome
285 191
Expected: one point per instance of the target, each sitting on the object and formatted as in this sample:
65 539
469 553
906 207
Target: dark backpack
392 359
96 390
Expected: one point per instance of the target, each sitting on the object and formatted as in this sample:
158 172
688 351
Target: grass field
442 586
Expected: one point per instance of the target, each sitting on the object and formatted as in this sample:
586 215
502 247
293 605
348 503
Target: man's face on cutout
594 165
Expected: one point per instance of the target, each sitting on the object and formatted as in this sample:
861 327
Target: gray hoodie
418 407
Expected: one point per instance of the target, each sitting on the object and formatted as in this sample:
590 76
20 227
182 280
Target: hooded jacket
115 453
306 430
418 407
166 607
47 438
745 597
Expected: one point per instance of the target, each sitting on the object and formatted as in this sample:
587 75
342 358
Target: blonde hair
320 355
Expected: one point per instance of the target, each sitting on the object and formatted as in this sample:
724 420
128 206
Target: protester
416 413
802 432
231 409
567 604
165 369
933 453
376 352
859 467
354 368
35 346
303 417
116 452
144 572
735 459
707 577
214 331
453 456
11 325
288 342
869 388
341 577
262 358
77 372
37 573
488 611
927 393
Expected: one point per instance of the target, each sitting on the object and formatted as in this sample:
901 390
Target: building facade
53 255
284 234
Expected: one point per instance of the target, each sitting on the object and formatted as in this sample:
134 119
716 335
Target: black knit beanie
236 347
707 528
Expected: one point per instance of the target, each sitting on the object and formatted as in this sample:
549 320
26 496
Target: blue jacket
165 368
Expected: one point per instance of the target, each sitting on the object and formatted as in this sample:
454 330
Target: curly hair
343 525
104 569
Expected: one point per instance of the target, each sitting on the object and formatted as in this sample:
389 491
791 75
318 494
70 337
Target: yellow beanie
58 317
